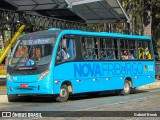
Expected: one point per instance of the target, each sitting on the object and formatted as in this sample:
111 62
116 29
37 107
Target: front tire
64 94
126 88
12 98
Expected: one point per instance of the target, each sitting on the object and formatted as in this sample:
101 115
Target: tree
156 24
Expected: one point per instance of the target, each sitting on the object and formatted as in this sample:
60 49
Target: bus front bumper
29 89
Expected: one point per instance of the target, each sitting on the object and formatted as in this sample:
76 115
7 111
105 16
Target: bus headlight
43 74
9 78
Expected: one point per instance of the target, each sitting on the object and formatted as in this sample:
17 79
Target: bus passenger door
63 68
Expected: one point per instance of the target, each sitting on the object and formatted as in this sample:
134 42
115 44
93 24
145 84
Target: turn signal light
9 78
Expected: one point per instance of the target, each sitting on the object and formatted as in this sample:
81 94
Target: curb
2 87
150 86
3 99
3 76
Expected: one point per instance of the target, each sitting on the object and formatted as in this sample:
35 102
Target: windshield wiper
15 66
27 68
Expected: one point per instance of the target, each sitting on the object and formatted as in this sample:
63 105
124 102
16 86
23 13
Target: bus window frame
98 38
151 49
128 49
82 49
67 37
112 48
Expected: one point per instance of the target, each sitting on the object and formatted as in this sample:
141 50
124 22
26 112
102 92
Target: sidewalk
150 86
2 76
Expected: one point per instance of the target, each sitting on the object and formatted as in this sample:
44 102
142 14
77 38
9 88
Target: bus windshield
33 50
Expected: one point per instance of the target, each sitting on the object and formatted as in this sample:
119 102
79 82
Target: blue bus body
83 76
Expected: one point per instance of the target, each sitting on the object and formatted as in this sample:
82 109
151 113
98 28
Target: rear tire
126 88
64 94
157 77
12 98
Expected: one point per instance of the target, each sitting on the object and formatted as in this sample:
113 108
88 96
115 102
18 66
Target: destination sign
38 41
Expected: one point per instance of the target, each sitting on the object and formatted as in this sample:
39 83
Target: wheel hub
63 93
126 88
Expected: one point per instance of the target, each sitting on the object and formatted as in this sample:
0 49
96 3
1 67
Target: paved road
148 100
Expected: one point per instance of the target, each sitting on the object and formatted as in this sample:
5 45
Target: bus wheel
12 98
64 94
126 88
157 77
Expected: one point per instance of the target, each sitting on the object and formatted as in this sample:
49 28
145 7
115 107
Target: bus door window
140 50
65 50
71 49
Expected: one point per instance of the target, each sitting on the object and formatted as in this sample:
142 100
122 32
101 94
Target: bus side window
144 50
132 49
147 51
108 49
71 49
124 49
128 49
89 48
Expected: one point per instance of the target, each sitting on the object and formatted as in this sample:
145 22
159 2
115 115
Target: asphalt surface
79 102
144 100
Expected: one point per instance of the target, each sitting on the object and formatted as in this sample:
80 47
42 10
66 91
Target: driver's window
65 50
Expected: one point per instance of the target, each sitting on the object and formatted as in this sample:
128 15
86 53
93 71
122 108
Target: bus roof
105 34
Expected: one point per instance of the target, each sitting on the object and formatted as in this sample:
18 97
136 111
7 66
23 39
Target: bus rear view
29 65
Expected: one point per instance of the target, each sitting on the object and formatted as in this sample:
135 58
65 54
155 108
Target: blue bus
64 62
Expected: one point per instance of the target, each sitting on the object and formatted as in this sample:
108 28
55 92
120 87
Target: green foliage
1 51
156 23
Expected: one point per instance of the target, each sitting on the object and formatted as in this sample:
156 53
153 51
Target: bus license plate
24 85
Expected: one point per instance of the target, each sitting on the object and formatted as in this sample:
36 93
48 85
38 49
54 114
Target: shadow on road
101 95
74 97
